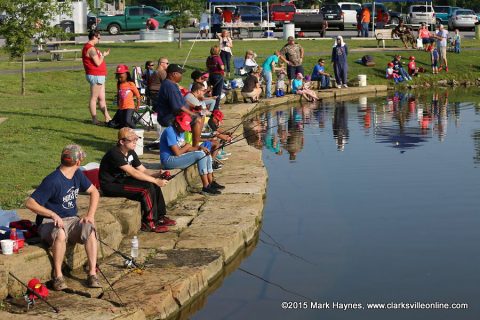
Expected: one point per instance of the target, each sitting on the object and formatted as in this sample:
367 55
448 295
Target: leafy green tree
26 20
182 11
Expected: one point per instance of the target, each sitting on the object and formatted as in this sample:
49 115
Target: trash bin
288 30
68 26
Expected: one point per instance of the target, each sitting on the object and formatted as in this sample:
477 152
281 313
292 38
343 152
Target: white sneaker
345 85
339 86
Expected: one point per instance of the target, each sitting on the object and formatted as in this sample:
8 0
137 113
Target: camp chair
144 116
239 64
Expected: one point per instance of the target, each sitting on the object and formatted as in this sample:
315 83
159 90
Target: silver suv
418 14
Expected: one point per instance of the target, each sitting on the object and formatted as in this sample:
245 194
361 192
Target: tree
26 20
182 11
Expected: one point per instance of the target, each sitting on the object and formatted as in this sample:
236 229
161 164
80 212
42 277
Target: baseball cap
205 75
196 74
183 120
127 133
71 154
411 58
175 68
121 68
390 64
217 114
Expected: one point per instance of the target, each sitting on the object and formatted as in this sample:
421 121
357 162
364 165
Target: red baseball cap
217 114
411 58
183 120
121 68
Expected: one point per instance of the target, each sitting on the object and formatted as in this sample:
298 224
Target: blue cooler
268 34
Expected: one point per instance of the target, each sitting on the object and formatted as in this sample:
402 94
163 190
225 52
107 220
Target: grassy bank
54 112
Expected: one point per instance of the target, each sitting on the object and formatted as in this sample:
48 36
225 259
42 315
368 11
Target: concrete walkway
181 264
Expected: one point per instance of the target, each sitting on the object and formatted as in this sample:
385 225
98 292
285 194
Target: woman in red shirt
126 91
96 72
215 69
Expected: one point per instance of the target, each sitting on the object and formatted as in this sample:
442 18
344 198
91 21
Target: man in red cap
55 203
175 153
123 175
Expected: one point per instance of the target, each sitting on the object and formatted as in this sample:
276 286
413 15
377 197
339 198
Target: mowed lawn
54 111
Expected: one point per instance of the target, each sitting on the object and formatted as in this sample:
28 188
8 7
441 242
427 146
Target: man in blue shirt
268 69
319 74
56 200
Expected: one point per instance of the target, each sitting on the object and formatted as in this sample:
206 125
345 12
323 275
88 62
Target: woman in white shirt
226 45
250 63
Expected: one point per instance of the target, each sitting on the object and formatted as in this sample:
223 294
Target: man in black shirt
123 175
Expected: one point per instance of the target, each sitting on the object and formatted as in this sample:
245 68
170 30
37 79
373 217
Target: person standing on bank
123 175
96 73
216 22
226 45
340 64
55 203
216 71
292 53
269 66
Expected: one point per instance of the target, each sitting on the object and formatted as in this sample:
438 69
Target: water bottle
13 236
134 250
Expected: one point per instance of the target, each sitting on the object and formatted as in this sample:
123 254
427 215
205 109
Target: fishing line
275 284
110 285
193 44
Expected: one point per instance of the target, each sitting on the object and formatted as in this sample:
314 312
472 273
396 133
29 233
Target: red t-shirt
152 24
90 67
227 16
126 92
214 64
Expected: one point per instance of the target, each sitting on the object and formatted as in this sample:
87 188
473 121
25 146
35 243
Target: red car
281 12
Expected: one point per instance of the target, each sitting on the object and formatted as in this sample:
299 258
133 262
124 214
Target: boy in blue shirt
319 74
55 200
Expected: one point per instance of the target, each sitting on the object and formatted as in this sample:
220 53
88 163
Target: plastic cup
7 246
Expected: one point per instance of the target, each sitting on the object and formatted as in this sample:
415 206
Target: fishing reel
130 263
166 175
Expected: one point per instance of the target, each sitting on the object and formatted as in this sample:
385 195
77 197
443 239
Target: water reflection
402 121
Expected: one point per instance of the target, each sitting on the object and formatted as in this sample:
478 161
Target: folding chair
144 116
239 64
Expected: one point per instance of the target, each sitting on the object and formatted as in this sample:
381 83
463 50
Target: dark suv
333 15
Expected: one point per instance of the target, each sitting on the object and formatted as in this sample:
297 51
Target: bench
384 34
58 54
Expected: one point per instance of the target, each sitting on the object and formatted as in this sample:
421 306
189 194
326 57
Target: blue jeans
204 164
365 29
324 81
457 47
216 80
268 83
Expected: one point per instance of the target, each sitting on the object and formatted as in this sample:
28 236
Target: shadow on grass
27 114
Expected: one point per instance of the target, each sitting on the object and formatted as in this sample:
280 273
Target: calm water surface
372 201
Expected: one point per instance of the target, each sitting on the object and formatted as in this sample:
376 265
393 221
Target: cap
217 114
196 74
183 120
71 154
390 64
121 68
126 133
205 75
411 58
175 68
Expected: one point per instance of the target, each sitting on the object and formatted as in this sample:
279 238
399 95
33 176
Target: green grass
54 111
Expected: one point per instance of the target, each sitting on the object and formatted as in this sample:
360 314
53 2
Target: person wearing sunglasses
123 175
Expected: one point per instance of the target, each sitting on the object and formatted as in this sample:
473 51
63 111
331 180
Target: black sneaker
217 186
216 166
210 191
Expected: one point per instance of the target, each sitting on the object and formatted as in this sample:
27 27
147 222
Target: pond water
369 201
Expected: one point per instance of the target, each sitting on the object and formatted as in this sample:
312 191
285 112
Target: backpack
368 61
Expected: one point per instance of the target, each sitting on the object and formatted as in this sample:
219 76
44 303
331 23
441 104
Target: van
418 14
350 10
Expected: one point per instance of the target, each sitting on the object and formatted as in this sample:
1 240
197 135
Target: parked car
349 10
333 15
418 14
247 13
281 13
310 21
462 19
393 16
92 19
443 13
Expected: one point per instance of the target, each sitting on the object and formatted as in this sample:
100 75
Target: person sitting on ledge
56 200
175 153
123 175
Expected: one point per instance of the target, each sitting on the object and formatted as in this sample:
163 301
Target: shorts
93 80
75 231
204 26
443 52
293 70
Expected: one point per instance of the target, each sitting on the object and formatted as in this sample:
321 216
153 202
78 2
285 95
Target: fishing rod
110 285
129 261
275 284
282 248
35 293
